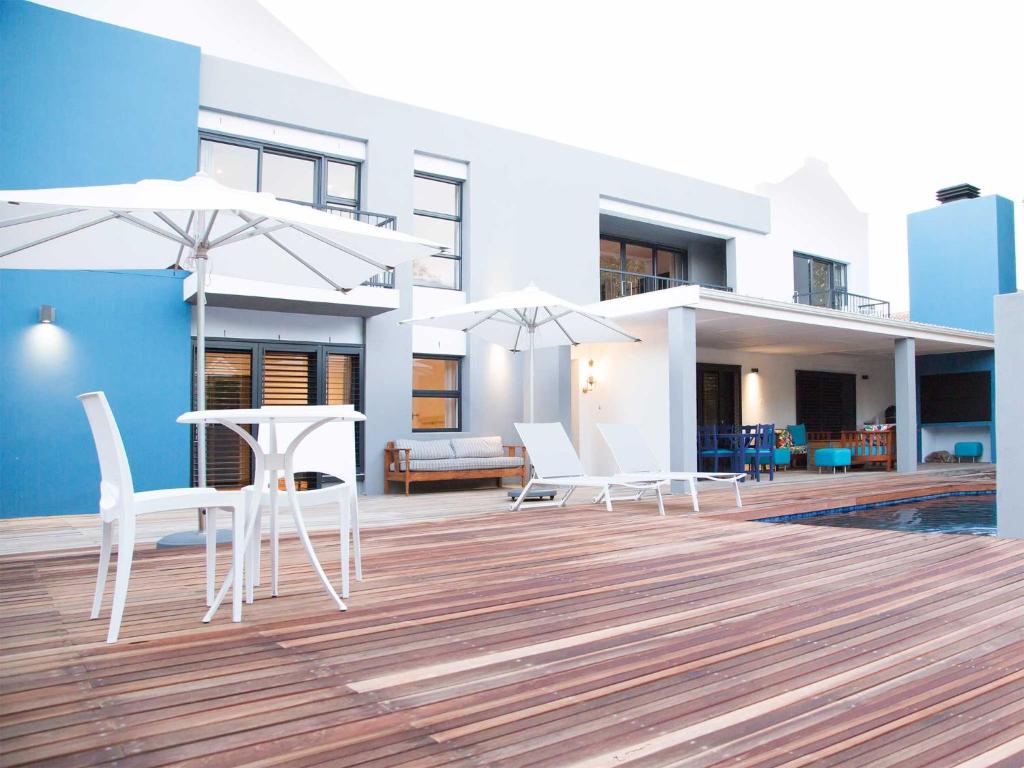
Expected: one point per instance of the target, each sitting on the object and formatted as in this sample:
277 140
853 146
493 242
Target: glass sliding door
229 385
819 282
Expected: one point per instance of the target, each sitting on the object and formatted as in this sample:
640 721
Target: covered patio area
713 359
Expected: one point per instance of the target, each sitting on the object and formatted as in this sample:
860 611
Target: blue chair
758 446
713 448
968 450
833 457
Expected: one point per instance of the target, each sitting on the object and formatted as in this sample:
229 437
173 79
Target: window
629 267
437 215
246 374
818 282
299 177
436 394
826 402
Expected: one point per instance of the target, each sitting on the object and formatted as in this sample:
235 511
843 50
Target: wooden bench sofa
866 446
461 458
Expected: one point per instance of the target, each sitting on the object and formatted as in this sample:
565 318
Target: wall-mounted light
865 377
590 382
47 314
754 370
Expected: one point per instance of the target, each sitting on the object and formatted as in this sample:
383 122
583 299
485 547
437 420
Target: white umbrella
161 223
527 319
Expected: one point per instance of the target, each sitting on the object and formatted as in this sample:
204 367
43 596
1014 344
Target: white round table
269 463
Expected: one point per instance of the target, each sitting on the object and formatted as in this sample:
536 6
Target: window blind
228 385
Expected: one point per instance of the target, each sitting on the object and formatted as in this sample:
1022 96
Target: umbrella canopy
525 320
160 224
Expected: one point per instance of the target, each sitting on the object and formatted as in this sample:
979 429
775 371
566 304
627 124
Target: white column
1009 414
906 406
682 389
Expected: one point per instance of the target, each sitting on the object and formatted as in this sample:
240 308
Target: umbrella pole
529 409
201 259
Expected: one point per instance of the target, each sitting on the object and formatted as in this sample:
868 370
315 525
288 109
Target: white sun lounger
633 456
555 463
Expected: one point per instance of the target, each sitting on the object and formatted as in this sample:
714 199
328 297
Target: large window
437 216
629 267
300 177
246 374
819 282
436 393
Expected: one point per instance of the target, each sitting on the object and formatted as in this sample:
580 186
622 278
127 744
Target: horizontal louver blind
343 389
228 385
289 378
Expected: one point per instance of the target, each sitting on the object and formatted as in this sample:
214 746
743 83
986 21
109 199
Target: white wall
1009 310
224 322
810 213
632 387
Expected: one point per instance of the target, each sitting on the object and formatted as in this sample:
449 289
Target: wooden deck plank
539 638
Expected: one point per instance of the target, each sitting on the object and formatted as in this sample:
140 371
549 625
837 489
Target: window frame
321 199
832 265
459 184
447 394
258 347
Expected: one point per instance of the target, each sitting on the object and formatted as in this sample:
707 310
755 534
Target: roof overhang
238 293
730 321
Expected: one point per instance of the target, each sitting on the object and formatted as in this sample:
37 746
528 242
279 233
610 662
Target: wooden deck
548 638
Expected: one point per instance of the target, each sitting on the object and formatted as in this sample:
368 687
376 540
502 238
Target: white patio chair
121 504
329 449
556 463
633 455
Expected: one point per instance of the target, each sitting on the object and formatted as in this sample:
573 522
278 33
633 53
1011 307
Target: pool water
971 515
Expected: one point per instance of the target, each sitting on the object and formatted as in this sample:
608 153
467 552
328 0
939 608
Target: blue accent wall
961 255
85 103
126 333
90 103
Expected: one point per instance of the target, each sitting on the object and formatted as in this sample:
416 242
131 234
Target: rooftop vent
959 192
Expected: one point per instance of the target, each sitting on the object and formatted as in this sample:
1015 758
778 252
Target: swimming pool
972 514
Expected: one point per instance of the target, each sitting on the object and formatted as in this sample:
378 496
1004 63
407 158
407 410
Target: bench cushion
476 447
427 449
454 465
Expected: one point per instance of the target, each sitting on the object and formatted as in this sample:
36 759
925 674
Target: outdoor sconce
47 314
754 370
590 381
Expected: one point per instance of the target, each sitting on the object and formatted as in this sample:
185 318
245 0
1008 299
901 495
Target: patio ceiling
813 333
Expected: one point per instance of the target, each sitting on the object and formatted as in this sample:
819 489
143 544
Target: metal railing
383 220
616 284
844 301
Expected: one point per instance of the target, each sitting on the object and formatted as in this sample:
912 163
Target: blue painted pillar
906 406
682 391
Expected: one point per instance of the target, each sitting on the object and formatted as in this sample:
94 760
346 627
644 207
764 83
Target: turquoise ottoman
783 457
832 457
967 451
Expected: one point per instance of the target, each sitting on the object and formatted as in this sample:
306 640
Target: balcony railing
844 301
616 284
383 220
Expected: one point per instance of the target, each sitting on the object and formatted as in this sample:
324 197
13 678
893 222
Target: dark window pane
341 180
611 254
229 164
435 413
801 275
289 178
436 196
639 259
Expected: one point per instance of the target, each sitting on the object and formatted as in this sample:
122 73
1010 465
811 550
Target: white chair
556 463
121 504
632 455
329 449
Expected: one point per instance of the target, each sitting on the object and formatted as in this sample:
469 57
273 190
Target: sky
898 98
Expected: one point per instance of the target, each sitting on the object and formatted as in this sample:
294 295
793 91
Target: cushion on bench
476 447
426 449
454 465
